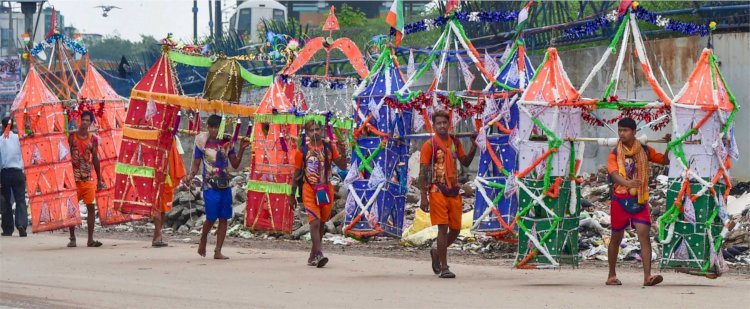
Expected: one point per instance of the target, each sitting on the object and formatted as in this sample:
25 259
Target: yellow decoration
195 103
149 135
25 56
712 25
635 4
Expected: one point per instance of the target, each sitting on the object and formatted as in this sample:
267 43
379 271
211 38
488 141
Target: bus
247 20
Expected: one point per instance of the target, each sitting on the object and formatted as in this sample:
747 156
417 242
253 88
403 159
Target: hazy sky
136 17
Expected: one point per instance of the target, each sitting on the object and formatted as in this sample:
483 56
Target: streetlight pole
195 21
12 38
211 21
217 21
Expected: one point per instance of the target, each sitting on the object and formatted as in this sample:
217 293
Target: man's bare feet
219 256
202 247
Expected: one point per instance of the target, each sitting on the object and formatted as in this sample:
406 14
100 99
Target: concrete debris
188 215
338 240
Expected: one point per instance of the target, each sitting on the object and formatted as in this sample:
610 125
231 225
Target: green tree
114 47
350 17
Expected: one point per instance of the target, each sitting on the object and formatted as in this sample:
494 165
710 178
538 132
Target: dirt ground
39 271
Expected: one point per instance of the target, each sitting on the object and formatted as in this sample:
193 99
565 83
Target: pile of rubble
187 217
737 242
188 207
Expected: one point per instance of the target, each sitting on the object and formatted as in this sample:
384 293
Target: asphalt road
40 272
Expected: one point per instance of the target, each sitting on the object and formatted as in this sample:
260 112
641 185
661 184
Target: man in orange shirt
83 152
439 185
175 173
628 168
313 168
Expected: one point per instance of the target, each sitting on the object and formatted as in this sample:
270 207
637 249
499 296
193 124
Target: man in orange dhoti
175 173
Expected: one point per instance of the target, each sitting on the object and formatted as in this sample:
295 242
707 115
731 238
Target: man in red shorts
629 170
440 189
83 152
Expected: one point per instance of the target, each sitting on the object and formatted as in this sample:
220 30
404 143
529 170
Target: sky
136 17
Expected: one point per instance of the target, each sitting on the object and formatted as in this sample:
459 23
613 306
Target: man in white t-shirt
12 181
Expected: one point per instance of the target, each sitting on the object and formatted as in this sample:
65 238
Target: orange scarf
641 167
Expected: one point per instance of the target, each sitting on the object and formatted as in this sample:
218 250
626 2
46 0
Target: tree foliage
114 47
350 17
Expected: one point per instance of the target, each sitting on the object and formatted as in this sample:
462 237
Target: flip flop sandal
654 280
322 261
313 262
447 274
615 282
159 244
435 261
94 243
72 243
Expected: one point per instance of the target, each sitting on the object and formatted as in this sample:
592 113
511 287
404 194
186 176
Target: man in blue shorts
213 154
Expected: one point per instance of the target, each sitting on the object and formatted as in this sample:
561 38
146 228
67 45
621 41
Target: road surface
40 272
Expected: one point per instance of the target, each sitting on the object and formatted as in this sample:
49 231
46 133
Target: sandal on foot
446 273
159 244
653 280
72 243
613 282
312 262
435 261
94 243
321 261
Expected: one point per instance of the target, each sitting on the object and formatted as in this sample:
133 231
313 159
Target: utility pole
13 36
217 21
28 9
211 21
195 21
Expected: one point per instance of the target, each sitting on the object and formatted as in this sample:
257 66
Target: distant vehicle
247 20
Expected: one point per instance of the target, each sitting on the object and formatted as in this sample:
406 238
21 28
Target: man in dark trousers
12 181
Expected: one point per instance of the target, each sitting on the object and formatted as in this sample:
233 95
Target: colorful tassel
177 123
249 129
302 139
197 127
329 131
150 110
283 143
222 127
236 132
